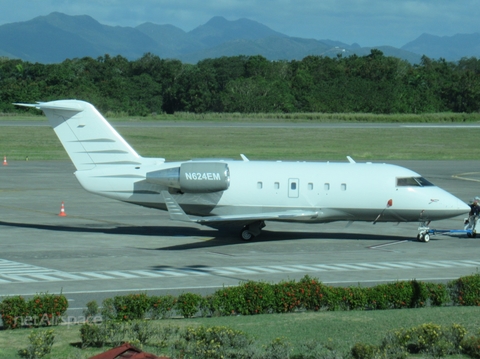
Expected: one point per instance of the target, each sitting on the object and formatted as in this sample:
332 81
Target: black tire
246 235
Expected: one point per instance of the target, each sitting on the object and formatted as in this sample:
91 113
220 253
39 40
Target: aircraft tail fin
86 135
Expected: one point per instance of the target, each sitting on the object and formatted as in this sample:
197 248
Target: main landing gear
251 230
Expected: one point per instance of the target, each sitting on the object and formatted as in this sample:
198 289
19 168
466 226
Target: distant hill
450 48
56 37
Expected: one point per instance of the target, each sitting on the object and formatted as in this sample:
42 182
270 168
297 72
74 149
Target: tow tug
470 225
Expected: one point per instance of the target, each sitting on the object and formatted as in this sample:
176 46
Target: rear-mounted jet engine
194 177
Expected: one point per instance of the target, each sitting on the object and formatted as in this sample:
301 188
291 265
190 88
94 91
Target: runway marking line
388 244
14 272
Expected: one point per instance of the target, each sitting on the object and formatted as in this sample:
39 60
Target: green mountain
56 37
451 48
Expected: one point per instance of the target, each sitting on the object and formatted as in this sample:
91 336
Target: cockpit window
413 182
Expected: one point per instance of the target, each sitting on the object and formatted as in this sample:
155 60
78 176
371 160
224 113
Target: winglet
244 157
174 210
350 159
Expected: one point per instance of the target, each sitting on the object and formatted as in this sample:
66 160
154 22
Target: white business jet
242 192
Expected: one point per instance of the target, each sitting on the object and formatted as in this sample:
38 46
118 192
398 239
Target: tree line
248 84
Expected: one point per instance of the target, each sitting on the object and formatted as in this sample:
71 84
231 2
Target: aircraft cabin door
293 184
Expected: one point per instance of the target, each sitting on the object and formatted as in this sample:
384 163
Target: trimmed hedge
249 298
465 290
41 310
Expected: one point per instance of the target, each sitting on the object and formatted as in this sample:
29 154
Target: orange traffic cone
62 210
5 160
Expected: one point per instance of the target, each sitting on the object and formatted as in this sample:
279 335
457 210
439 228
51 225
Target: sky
366 22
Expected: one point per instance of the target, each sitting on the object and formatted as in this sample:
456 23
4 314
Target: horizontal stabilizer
54 105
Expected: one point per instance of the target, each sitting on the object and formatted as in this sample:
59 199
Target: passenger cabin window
293 186
310 186
276 185
343 186
326 186
259 185
413 182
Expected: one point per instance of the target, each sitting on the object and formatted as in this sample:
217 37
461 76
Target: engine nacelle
194 177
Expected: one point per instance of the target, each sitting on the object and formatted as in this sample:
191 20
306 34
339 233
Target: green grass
307 117
344 328
322 144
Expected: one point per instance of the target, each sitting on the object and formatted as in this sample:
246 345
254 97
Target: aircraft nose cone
463 207
457 207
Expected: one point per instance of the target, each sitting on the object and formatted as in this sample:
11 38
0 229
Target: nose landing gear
423 232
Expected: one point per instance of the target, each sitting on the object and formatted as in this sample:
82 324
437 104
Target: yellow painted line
461 176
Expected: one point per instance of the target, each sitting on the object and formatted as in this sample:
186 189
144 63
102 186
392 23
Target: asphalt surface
104 248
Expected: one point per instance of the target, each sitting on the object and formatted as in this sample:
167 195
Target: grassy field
445 117
342 328
323 144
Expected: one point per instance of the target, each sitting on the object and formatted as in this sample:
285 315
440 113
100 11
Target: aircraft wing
176 213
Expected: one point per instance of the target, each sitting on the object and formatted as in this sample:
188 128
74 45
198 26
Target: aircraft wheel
469 235
246 235
474 234
419 237
426 237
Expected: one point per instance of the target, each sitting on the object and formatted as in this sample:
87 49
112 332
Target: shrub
131 306
352 298
397 295
420 294
455 334
189 304
217 342
162 306
13 311
108 310
364 351
141 331
91 311
394 344
278 348
437 294
259 298
465 291
92 335
471 346
40 345
116 333
313 349
228 301
424 338
313 294
433 339
46 309
288 296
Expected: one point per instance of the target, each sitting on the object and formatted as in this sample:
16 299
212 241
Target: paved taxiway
105 248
